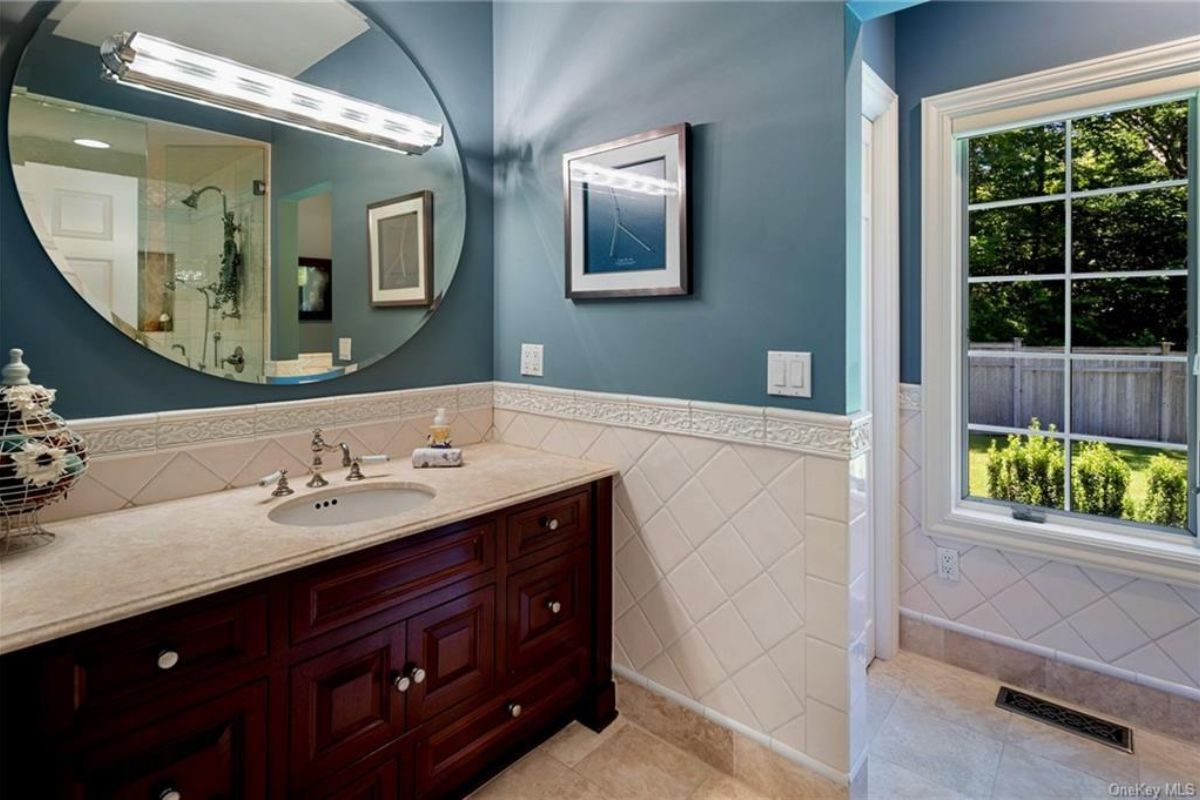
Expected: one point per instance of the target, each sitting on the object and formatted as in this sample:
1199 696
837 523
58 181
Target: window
1076 382
1058 244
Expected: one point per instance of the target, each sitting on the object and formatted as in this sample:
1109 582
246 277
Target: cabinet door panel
344 704
547 609
217 749
454 644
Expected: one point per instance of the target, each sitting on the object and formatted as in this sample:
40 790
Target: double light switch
789 374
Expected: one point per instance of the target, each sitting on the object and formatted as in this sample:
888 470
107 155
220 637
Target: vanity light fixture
585 172
94 144
148 62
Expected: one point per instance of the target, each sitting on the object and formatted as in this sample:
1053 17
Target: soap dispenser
439 431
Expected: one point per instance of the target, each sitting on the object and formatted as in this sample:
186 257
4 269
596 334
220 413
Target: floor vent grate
1081 724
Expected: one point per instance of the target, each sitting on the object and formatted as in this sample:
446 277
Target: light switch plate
531 360
789 374
344 348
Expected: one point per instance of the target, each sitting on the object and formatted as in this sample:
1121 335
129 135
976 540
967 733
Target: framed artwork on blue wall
625 208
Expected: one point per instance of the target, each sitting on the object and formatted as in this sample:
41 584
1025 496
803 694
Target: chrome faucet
319 446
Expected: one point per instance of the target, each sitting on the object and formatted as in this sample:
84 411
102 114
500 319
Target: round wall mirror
264 192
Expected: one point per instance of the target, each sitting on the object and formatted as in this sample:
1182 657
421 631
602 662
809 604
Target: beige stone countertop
107 567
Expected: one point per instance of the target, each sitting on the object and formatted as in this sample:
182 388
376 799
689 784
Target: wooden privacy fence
1127 399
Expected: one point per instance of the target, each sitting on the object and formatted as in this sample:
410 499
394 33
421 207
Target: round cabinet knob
514 710
418 675
554 606
550 523
170 793
167 659
401 682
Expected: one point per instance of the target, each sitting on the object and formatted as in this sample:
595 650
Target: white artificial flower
29 398
38 464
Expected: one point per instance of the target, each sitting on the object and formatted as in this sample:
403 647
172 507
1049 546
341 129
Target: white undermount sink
343 505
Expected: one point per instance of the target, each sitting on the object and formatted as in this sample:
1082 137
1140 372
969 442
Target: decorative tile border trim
1129 676
805 431
777 747
910 396
139 433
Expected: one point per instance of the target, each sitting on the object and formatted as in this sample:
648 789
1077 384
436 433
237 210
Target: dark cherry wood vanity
415 668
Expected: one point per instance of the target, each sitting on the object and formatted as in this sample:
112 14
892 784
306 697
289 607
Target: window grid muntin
1066 357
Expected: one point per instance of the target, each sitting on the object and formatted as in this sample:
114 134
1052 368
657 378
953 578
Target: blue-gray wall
943 46
764 86
99 371
879 47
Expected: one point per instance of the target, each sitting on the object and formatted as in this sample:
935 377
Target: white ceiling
282 37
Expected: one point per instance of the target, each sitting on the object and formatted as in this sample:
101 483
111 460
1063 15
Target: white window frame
1163 70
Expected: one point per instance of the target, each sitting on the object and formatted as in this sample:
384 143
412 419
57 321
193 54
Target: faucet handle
279 478
356 465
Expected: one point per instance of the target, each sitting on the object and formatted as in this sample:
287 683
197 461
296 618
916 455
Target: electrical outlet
344 348
947 564
531 360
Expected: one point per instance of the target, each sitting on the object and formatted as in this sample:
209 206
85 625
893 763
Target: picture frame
400 250
316 289
625 208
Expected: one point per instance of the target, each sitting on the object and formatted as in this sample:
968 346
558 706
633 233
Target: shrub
1099 480
1167 492
1027 470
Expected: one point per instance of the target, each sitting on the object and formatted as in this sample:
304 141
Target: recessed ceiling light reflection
95 144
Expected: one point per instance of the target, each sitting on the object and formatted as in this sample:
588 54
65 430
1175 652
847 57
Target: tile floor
935 735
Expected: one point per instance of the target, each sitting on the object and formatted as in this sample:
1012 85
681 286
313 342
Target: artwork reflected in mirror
400 241
189 226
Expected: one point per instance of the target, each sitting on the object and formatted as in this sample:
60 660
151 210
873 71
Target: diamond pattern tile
664 467
766 611
766 529
729 481
731 562
1141 625
698 516
767 694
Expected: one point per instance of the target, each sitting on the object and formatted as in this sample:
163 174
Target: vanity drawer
133 662
453 754
548 609
329 598
562 523
216 749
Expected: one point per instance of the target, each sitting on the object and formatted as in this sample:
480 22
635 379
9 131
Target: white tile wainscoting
1138 630
741 557
141 459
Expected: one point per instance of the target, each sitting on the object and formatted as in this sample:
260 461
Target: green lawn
1138 459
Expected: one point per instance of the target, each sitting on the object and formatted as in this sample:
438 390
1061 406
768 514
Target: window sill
1162 557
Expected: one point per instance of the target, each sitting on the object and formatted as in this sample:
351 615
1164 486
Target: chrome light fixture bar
148 62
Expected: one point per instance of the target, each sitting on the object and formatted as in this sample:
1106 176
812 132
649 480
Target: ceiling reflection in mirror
276 234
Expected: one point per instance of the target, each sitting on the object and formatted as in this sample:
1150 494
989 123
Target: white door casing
881 256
